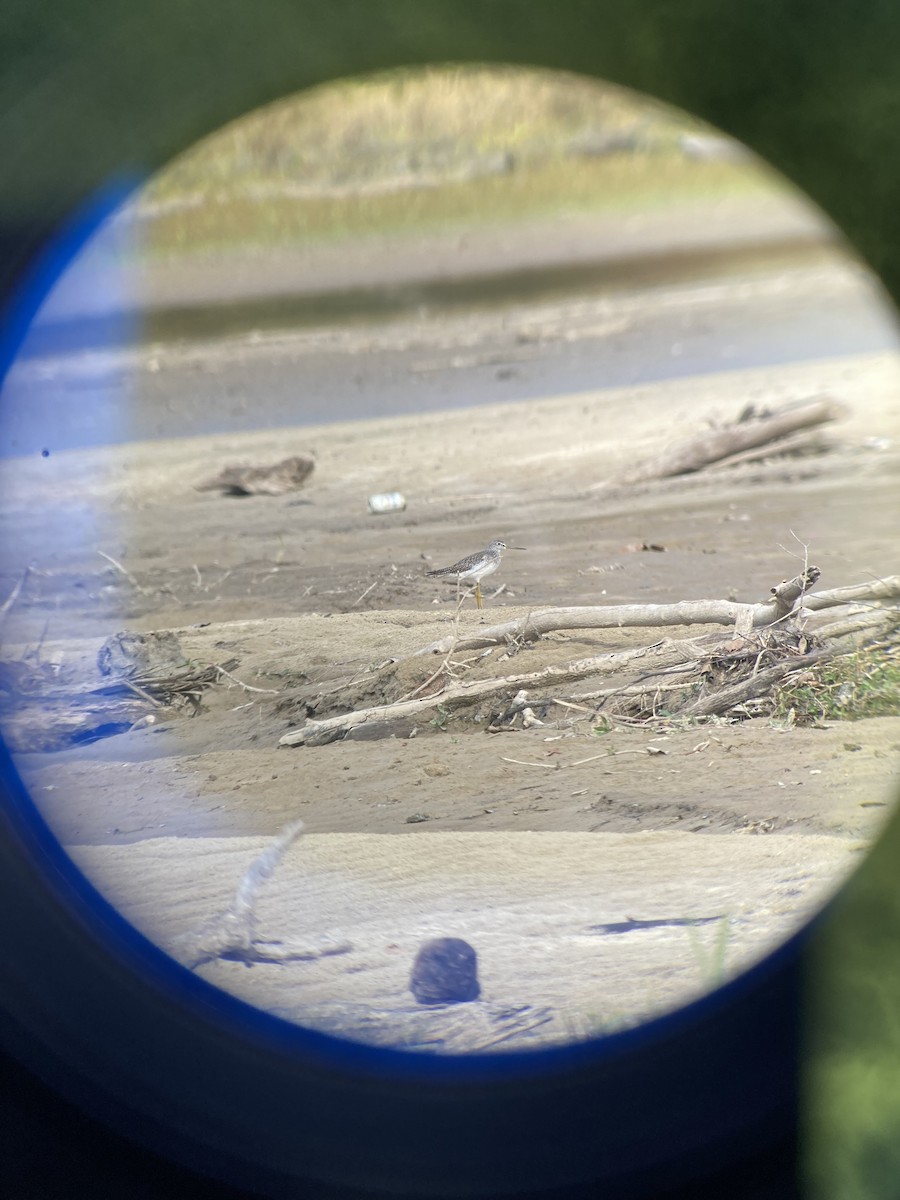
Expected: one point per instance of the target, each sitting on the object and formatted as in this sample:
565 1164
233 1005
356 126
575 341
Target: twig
131 579
445 663
14 594
139 691
520 763
36 654
607 754
568 704
246 686
365 593
561 766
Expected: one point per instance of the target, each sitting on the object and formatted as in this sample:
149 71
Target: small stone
445 972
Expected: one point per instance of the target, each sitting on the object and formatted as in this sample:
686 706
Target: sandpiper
474 567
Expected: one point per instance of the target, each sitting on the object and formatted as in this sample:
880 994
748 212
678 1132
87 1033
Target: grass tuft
862 684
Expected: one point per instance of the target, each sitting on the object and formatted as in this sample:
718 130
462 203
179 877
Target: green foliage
711 959
863 684
852 1019
439 721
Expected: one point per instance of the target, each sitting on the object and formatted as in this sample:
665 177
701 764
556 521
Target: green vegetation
438 149
863 684
711 959
440 720
852 1022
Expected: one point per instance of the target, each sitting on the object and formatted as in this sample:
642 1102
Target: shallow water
438 297
510 336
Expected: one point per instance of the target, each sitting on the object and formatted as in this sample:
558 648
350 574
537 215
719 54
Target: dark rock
445 972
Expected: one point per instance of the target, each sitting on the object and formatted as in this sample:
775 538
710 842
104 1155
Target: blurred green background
415 151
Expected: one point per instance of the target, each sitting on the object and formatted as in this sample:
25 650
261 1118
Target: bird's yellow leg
478 599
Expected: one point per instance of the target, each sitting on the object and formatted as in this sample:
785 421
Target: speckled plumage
474 567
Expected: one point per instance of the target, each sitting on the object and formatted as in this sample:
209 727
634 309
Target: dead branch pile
44 709
710 674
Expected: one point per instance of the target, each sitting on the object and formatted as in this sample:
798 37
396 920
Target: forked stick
232 933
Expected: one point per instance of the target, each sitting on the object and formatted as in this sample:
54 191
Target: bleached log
685 612
717 444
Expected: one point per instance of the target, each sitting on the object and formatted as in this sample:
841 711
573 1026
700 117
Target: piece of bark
275 479
716 444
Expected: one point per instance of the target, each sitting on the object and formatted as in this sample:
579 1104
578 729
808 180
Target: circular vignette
77 965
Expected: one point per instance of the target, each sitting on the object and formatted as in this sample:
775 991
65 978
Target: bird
475 566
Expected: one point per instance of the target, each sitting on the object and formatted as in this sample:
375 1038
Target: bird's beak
516 547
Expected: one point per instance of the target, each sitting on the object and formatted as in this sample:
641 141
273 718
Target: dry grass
428 149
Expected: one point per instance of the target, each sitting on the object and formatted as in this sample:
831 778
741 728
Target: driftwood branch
805 441
686 612
464 694
787 593
232 933
718 444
